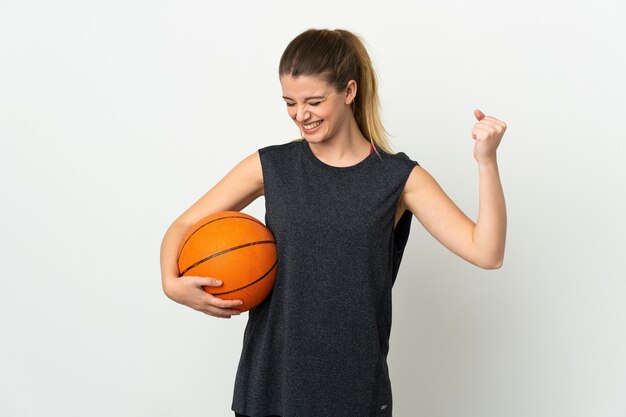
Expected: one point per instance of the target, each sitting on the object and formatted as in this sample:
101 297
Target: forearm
490 232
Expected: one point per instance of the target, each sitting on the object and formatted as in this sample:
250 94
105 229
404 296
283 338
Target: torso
333 226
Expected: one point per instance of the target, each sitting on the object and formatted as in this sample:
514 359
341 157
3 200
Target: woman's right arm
240 187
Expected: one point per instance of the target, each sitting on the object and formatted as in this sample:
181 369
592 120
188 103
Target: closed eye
317 103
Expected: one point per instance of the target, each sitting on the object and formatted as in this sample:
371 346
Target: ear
350 92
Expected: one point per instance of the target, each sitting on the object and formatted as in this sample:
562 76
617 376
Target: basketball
235 248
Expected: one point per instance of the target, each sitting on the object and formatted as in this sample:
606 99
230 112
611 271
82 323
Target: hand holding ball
235 248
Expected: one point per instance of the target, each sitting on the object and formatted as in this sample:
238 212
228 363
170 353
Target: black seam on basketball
246 286
259 242
180 251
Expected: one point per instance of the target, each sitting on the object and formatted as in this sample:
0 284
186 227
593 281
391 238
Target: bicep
236 190
439 215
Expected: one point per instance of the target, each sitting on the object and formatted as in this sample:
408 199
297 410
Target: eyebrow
308 98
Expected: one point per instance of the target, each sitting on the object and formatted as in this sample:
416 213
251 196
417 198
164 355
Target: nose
302 114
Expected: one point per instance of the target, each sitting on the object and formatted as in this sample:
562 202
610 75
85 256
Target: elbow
494 265
490 263
491 258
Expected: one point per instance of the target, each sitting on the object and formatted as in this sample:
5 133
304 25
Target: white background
116 116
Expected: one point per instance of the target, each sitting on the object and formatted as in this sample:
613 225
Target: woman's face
316 107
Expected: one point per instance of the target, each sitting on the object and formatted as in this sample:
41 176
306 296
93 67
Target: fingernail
218 282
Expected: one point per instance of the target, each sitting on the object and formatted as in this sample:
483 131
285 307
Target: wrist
490 163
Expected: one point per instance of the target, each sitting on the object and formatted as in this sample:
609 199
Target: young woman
339 203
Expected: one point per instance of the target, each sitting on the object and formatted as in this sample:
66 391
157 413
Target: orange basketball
235 248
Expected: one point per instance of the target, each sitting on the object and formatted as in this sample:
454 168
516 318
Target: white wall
116 116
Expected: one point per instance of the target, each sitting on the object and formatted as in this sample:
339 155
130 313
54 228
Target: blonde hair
338 56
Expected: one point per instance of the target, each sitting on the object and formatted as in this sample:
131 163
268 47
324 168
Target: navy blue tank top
317 346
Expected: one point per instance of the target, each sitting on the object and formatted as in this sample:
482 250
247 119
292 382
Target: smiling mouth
312 125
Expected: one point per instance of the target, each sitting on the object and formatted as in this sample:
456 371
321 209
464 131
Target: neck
347 147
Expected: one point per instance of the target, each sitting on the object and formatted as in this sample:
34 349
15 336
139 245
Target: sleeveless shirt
317 346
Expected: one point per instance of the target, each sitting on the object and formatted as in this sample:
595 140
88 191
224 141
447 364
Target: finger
497 124
221 303
222 312
489 122
493 119
488 127
479 132
219 313
206 282
482 128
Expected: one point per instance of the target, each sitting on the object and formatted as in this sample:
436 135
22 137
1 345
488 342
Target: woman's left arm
481 243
